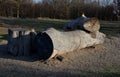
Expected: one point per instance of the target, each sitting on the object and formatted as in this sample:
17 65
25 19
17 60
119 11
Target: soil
97 61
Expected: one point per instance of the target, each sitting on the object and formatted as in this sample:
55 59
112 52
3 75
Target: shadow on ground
5 54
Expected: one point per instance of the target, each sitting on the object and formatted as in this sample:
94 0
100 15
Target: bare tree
60 9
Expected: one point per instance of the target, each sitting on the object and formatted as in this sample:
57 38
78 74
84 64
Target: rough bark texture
19 41
53 42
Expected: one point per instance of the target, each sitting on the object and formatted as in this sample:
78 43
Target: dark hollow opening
43 46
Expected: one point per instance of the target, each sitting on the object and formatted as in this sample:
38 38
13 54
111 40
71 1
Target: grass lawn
108 27
0 39
39 25
3 33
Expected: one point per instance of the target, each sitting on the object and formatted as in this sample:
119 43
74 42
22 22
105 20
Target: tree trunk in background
57 9
18 10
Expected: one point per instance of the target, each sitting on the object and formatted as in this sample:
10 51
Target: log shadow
6 55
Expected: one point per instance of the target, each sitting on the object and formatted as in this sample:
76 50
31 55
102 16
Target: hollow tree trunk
53 42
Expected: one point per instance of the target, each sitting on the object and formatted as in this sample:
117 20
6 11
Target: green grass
3 36
107 27
0 39
39 25
110 28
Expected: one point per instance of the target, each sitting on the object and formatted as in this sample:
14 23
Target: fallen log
53 42
90 25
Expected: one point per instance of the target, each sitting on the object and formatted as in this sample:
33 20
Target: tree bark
53 42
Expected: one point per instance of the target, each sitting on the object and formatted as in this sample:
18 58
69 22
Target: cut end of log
83 23
43 46
92 25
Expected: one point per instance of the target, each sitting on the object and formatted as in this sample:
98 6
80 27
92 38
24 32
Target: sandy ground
99 61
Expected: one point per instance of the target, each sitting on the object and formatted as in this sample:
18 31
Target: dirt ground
99 61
